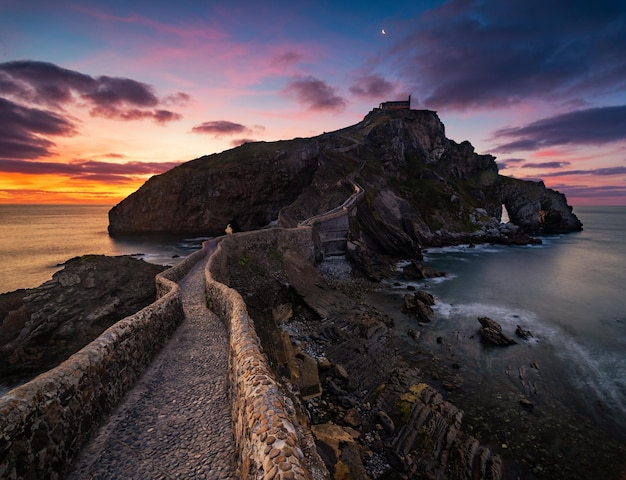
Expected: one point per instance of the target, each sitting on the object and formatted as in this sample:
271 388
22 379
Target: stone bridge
181 389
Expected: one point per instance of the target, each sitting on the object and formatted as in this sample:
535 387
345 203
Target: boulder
308 380
525 334
418 271
419 305
491 333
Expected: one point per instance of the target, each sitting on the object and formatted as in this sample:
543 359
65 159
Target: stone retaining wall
263 417
45 422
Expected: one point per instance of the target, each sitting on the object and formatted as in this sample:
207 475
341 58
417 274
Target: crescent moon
383 32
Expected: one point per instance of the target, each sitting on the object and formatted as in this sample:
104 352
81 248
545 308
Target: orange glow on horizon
16 188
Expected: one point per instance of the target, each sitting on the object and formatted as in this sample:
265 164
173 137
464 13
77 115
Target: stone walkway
176 421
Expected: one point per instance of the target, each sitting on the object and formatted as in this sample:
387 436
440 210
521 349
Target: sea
35 240
569 293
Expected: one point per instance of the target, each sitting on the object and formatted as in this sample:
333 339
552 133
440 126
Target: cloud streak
602 172
546 165
86 169
594 126
219 128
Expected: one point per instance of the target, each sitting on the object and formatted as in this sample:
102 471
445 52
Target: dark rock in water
491 333
418 304
43 326
417 271
525 334
524 402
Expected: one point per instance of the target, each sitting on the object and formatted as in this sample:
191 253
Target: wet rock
527 404
491 333
418 271
414 334
525 334
419 305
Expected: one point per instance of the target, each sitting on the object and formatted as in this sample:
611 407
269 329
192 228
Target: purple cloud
23 131
606 171
315 94
47 84
220 128
546 165
584 191
86 168
372 86
592 126
479 54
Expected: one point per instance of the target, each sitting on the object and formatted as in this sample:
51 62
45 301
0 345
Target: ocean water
36 239
570 293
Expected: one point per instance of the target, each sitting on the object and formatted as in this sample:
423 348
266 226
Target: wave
603 373
509 318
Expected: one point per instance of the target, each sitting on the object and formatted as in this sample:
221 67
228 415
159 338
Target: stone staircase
333 226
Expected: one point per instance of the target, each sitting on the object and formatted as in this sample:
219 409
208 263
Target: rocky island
421 189
372 410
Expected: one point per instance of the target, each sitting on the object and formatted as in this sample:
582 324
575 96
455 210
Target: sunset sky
97 96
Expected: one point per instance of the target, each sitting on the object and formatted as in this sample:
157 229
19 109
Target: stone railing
341 210
45 422
264 423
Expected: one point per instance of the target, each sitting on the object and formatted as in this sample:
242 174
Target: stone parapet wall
45 422
264 423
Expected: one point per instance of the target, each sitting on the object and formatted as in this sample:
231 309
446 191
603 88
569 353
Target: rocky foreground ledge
41 327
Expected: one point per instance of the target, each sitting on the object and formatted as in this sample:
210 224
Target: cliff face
420 188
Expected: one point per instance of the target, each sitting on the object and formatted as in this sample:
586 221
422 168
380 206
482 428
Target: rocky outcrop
420 189
536 208
43 326
491 333
245 187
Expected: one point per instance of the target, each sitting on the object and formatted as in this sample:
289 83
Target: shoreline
492 384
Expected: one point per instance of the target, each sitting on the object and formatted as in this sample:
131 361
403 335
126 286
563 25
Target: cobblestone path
175 423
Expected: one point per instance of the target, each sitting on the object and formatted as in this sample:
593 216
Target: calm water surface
35 239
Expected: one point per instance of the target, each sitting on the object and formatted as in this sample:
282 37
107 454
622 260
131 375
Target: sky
97 96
